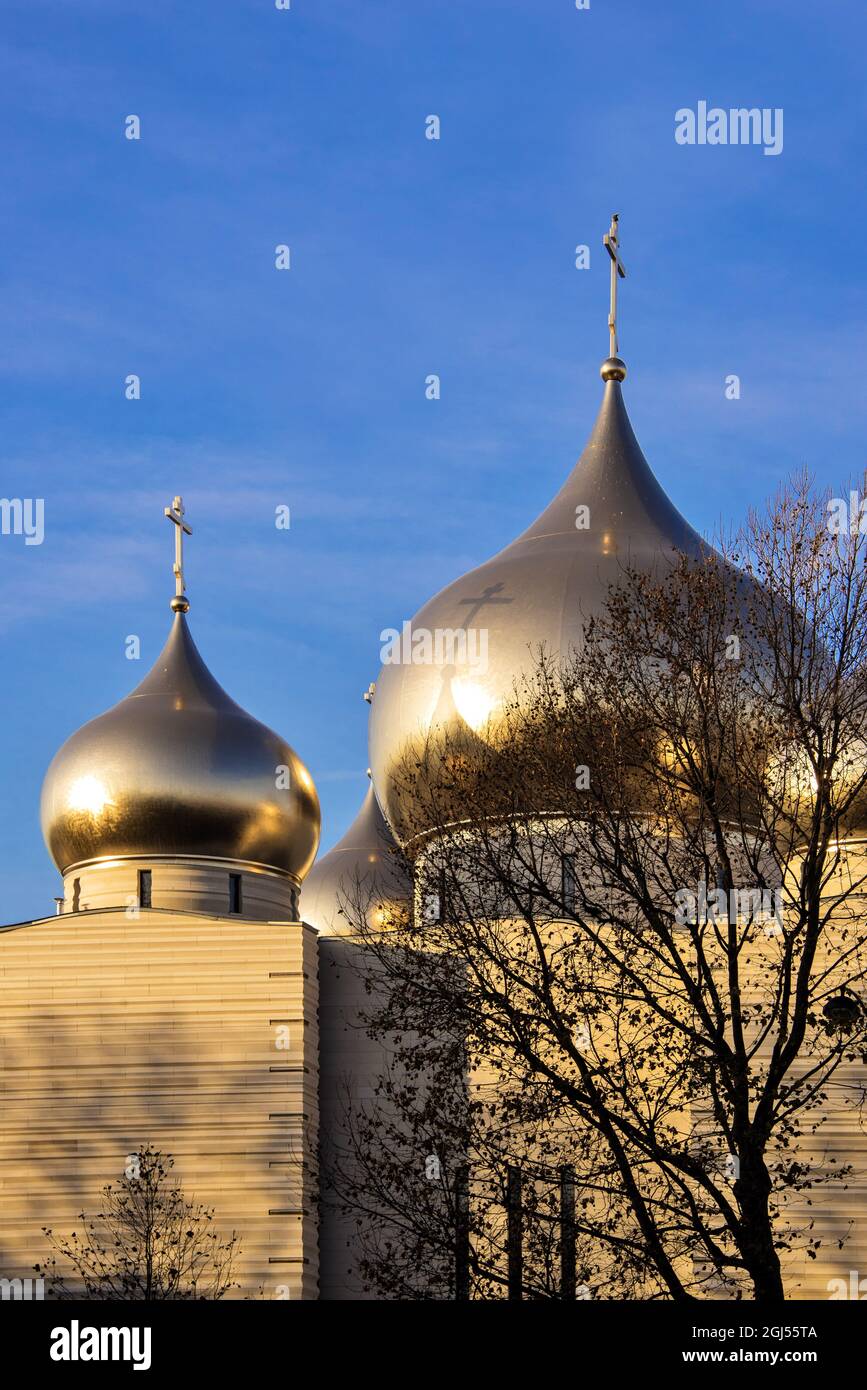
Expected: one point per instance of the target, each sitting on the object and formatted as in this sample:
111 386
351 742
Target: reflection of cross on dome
486 596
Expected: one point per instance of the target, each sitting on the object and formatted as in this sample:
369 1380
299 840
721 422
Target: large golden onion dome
539 591
362 875
178 769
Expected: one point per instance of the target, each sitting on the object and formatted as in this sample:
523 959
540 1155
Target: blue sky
409 257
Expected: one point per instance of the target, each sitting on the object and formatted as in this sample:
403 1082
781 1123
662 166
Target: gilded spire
175 513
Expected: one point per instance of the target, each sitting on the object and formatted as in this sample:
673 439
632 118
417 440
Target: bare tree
148 1242
638 944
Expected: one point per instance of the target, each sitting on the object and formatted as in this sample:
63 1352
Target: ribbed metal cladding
196 1033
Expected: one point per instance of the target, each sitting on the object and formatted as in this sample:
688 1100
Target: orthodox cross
175 513
487 596
611 242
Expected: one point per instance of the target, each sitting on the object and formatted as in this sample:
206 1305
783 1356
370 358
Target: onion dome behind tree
536 594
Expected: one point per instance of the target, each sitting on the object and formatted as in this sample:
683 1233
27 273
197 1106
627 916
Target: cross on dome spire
613 369
175 513
611 242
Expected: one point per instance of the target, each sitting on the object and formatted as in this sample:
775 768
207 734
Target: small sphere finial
180 604
613 369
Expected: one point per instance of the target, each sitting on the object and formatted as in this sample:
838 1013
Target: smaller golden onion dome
362 873
178 769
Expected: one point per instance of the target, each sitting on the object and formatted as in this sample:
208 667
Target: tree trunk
755 1234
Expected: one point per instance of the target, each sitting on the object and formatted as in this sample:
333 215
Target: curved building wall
221 887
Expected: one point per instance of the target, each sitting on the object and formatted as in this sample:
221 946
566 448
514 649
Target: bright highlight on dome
474 704
88 794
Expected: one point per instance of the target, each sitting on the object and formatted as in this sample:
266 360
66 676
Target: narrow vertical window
234 892
433 904
431 910
144 887
569 882
441 896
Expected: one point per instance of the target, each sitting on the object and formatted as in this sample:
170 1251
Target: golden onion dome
539 591
363 874
177 768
